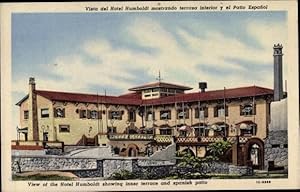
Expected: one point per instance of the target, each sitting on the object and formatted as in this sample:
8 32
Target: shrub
122 175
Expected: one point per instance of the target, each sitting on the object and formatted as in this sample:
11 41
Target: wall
91 167
276 148
44 163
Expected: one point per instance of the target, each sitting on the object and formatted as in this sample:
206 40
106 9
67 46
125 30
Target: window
82 114
148 95
131 116
165 114
147 91
155 94
247 109
171 90
219 111
155 89
249 130
182 133
111 130
59 112
94 114
26 114
221 131
150 116
115 115
64 128
200 131
182 114
44 113
203 112
165 132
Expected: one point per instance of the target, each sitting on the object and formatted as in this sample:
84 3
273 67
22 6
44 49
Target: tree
218 149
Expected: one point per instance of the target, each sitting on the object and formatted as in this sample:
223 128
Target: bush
123 175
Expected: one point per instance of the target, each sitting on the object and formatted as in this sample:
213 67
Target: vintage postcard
140 96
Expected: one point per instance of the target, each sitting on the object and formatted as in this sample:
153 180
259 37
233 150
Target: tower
278 84
33 114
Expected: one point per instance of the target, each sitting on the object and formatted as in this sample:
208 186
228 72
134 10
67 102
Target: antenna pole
159 77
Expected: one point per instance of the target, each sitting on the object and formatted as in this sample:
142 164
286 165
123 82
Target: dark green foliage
217 149
122 175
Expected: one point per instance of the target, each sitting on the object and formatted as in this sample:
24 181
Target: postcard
141 96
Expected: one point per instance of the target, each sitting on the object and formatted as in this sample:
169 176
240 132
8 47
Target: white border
291 58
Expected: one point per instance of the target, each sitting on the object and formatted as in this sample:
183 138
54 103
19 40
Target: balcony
182 140
163 138
188 140
135 137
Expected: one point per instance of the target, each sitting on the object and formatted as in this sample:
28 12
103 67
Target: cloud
178 53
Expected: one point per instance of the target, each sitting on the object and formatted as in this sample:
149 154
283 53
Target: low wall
92 167
53 163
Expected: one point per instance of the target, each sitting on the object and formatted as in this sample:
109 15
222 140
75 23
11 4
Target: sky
93 52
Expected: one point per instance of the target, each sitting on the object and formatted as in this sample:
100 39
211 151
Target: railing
209 139
163 138
130 137
187 140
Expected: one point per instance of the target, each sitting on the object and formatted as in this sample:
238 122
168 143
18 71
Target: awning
164 115
22 130
216 127
245 125
162 128
185 128
148 129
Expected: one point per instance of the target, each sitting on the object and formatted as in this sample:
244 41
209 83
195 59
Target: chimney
202 86
278 84
33 114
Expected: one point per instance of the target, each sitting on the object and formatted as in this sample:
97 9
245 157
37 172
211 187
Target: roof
86 98
159 84
132 95
212 95
135 99
22 100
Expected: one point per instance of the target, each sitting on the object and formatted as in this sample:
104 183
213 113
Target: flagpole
253 106
199 111
106 115
100 115
224 113
152 114
98 118
183 109
175 111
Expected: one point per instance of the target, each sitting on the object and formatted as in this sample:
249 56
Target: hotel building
151 117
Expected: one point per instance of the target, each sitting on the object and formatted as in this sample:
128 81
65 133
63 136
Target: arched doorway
254 149
132 150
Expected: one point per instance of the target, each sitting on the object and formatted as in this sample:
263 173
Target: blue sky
90 52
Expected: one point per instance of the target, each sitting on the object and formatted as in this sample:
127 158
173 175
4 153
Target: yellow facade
91 127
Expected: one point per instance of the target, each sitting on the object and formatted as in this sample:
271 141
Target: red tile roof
159 84
133 95
212 95
135 98
86 98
